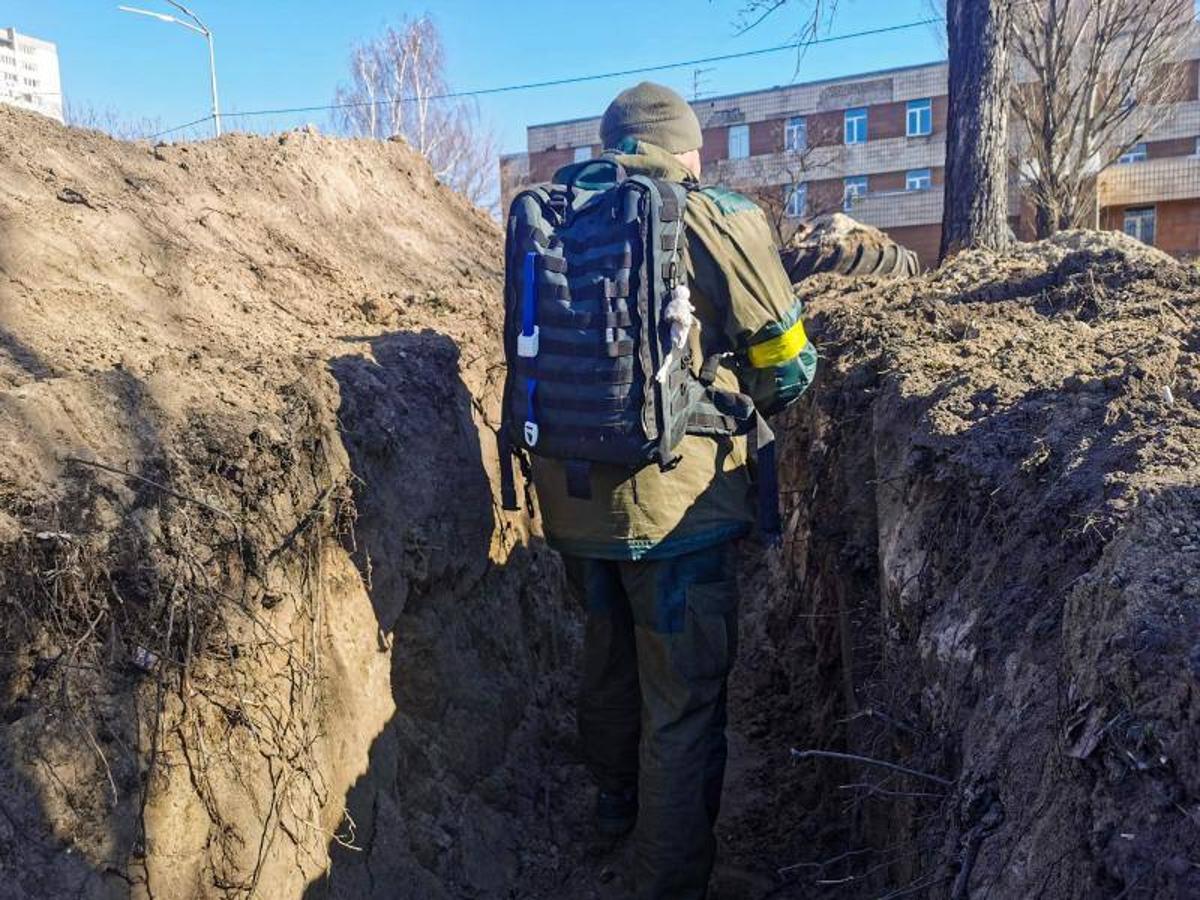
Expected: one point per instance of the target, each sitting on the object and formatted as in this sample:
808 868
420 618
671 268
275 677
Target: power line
575 79
199 121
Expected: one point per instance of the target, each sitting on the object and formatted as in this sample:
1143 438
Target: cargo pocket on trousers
707 646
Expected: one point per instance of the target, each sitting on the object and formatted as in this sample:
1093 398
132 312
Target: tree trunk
1045 220
976 210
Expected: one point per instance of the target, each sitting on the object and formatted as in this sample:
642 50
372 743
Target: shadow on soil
479 638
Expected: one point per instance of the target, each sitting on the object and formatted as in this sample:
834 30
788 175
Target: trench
474 787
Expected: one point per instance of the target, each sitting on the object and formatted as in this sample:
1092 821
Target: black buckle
710 367
559 205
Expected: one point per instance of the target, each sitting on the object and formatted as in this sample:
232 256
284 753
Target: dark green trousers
660 639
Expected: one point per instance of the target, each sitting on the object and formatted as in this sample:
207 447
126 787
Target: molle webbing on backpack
589 270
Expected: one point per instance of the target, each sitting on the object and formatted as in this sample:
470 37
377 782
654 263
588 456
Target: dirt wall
991 581
263 632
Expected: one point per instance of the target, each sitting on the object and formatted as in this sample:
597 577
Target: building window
1139 223
855 187
918 180
1135 154
920 117
583 154
739 141
856 126
795 134
1197 153
795 200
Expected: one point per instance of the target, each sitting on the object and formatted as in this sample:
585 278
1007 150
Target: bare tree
793 174
398 88
979 36
1100 75
797 166
109 120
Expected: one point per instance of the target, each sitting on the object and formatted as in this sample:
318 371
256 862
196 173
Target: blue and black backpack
595 374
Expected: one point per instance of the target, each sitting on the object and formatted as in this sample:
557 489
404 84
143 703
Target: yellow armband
779 349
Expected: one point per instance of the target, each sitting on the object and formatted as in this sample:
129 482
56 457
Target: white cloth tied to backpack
680 313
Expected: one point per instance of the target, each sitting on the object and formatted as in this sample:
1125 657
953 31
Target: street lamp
201 29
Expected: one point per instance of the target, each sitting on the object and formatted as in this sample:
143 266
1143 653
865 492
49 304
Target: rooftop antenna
698 83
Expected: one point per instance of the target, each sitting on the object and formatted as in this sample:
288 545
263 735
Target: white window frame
918 180
851 132
1135 154
919 117
583 154
738 142
795 200
795 134
1134 223
854 186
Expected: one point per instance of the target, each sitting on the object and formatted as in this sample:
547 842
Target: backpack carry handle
595 174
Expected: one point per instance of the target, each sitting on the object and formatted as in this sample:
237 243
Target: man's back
650 550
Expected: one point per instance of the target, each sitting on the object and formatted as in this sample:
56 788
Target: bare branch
815 16
109 120
793 171
874 790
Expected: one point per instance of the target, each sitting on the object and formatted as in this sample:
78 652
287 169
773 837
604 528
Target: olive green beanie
652 113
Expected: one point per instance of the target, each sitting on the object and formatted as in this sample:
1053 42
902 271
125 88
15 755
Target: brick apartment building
875 145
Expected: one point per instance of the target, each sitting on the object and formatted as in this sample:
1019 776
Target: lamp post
201 29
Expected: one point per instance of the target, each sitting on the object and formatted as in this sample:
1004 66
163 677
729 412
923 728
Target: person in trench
651 555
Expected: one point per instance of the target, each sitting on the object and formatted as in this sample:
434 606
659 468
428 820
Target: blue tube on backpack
529 295
527 342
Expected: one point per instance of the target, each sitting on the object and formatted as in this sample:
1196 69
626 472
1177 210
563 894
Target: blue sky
272 53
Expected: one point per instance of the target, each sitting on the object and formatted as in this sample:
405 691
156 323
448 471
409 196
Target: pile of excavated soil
992 579
263 631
